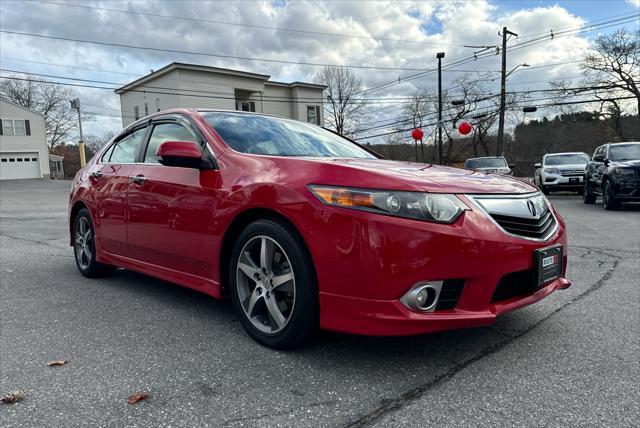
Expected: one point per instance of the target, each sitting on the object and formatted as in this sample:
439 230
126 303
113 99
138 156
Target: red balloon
464 128
417 134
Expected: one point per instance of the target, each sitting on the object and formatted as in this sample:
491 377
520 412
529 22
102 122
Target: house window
157 104
247 106
136 113
17 127
146 109
313 115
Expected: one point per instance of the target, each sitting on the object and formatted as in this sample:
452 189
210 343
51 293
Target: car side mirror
184 154
512 165
537 165
598 158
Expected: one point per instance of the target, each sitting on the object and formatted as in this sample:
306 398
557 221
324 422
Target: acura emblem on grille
532 208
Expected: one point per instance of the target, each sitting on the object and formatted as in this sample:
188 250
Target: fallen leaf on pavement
56 362
13 396
139 396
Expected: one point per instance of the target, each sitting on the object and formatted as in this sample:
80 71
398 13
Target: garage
15 166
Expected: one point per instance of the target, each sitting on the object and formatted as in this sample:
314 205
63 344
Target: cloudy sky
398 38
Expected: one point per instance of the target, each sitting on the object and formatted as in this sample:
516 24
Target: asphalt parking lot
571 359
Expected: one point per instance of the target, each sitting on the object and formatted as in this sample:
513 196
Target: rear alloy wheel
273 285
84 247
608 199
588 197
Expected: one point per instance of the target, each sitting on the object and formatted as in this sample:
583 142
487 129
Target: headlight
552 171
436 207
623 171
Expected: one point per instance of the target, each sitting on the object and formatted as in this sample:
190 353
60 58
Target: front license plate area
548 264
574 180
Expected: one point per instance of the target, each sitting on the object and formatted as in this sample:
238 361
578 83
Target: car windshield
624 152
485 163
568 159
264 135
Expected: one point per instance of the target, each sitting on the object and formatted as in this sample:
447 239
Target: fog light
423 296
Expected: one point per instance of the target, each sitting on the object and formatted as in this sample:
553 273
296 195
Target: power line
205 54
541 106
627 18
70 66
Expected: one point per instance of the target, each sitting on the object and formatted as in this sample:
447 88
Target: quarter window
166 132
125 150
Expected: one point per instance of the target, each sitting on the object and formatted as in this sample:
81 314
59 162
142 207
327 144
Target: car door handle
96 174
138 179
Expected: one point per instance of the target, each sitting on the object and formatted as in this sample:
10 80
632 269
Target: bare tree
346 103
414 111
95 143
47 98
614 66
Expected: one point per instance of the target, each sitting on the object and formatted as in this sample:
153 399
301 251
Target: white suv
561 171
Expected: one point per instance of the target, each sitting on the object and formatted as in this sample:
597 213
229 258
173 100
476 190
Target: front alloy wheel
266 284
273 284
588 197
84 247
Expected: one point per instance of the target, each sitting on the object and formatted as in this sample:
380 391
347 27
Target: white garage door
19 165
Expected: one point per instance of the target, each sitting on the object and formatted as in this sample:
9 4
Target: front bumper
392 318
370 261
565 182
626 188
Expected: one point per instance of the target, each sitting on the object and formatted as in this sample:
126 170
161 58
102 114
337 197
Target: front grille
515 284
528 216
531 228
572 172
450 294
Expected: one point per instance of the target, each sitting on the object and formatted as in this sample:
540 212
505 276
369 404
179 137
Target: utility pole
75 104
440 55
503 92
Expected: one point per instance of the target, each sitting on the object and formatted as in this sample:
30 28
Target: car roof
565 153
487 157
624 142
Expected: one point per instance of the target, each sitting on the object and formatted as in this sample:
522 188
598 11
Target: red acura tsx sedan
305 229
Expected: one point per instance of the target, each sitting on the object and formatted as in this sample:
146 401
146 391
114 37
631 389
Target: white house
181 85
23 143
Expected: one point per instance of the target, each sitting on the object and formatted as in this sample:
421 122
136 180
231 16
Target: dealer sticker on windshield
548 262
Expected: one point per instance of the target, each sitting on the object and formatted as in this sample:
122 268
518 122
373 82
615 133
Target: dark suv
614 174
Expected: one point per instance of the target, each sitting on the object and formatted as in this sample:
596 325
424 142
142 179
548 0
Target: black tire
86 260
609 201
544 189
301 306
588 197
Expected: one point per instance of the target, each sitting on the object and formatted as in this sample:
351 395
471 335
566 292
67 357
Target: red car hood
434 178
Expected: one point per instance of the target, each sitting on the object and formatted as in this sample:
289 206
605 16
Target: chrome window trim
473 198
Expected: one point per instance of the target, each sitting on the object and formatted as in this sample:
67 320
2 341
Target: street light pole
75 104
503 93
440 55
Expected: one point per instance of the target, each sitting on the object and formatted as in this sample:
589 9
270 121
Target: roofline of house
19 106
290 85
180 65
